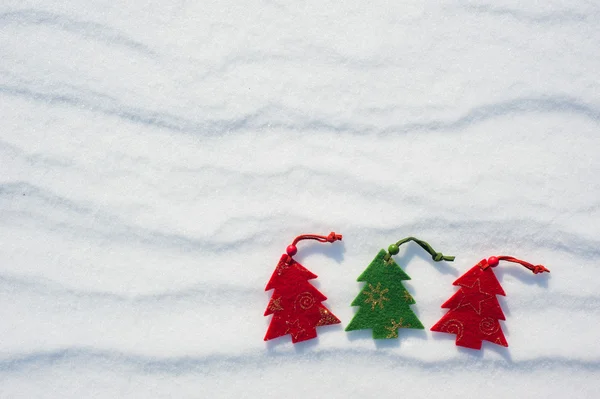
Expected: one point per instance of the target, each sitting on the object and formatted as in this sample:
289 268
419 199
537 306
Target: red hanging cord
332 237
493 262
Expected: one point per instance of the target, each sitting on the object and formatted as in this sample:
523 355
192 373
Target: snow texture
157 158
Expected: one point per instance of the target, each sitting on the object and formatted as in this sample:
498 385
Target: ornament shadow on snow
474 309
414 253
334 252
384 303
524 278
296 305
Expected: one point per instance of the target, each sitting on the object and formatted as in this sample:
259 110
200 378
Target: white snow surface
157 158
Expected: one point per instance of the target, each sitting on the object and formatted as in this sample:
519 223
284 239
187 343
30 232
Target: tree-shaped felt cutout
296 305
384 303
474 309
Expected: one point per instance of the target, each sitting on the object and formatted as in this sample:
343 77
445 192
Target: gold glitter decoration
326 318
455 327
376 296
305 300
275 305
473 295
294 328
408 297
489 326
393 329
281 267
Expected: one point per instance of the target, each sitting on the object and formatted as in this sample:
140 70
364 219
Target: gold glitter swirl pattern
454 327
489 326
305 300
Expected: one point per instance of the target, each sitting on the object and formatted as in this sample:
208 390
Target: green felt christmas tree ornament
384 303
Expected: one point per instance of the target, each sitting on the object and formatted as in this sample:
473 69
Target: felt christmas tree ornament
296 305
384 303
474 309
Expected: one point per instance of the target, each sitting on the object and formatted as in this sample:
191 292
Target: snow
158 157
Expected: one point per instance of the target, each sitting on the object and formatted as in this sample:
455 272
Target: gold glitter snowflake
376 296
393 329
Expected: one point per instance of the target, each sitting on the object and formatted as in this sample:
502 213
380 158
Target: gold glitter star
294 329
393 329
376 296
473 296
275 305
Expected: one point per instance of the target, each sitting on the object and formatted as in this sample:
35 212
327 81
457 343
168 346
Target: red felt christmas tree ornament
296 304
474 310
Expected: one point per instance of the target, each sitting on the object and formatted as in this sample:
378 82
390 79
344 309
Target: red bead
291 250
493 261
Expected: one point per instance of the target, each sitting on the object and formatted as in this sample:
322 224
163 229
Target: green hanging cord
436 256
